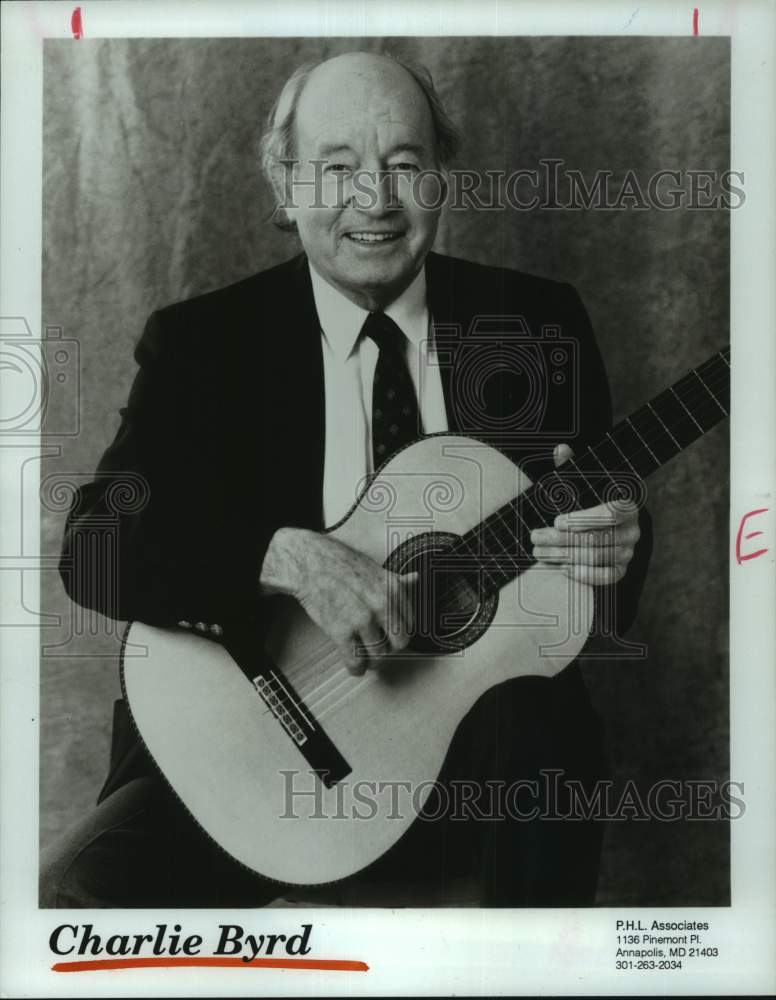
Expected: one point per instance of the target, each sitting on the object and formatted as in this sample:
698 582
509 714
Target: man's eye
338 168
405 167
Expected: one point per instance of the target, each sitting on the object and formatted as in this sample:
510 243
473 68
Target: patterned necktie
395 415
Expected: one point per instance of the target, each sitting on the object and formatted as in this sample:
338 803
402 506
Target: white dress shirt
348 373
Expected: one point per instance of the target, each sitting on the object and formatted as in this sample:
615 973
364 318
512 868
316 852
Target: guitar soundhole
452 609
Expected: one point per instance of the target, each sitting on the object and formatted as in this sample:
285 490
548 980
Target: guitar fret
608 457
512 548
493 546
694 372
689 414
527 497
625 457
668 432
578 469
488 579
513 536
517 535
464 547
630 424
487 527
591 450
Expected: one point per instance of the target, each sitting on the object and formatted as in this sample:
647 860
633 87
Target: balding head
363 88
363 185
278 143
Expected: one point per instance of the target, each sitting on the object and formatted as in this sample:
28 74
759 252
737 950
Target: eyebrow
334 148
408 147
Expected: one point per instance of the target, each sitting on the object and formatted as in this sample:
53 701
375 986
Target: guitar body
240 772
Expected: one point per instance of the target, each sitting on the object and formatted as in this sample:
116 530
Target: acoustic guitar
292 764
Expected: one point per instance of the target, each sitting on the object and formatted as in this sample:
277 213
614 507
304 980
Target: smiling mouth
365 238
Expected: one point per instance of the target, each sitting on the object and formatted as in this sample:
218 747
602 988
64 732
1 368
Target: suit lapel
452 311
298 389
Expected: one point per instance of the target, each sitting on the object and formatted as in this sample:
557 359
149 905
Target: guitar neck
609 470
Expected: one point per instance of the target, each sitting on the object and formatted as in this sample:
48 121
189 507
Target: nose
376 193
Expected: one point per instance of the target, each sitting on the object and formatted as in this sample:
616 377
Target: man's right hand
365 609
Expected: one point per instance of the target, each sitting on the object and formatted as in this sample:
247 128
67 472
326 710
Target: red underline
320 964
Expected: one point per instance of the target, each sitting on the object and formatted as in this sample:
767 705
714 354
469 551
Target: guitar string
490 527
316 669
528 495
650 439
317 660
704 392
348 690
701 389
345 688
644 436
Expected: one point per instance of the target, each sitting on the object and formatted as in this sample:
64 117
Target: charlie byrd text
82 939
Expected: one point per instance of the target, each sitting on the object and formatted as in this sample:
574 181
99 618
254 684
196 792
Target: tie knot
383 331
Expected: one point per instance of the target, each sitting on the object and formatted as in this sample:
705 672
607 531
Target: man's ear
281 220
283 184
283 214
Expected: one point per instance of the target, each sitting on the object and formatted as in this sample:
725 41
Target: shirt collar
341 320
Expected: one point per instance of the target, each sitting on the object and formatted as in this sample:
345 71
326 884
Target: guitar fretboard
609 470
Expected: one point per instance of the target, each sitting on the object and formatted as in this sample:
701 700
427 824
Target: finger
354 659
595 576
629 533
551 556
399 621
555 536
615 555
561 453
615 513
619 534
408 591
373 641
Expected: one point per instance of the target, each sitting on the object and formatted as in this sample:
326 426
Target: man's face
369 123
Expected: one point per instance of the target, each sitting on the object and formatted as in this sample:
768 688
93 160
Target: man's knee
66 880
53 868
100 861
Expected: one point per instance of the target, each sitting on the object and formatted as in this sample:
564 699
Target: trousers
514 841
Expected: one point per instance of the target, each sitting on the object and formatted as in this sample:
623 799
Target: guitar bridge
288 708
278 700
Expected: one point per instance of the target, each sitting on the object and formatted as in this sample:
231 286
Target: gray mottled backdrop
152 193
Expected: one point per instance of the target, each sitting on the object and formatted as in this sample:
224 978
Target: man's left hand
593 546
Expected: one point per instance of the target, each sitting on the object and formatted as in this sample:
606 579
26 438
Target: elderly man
257 412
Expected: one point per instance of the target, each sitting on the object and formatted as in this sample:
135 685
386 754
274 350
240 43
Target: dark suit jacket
222 437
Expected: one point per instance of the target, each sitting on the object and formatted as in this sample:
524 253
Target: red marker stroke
744 556
76 23
106 964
